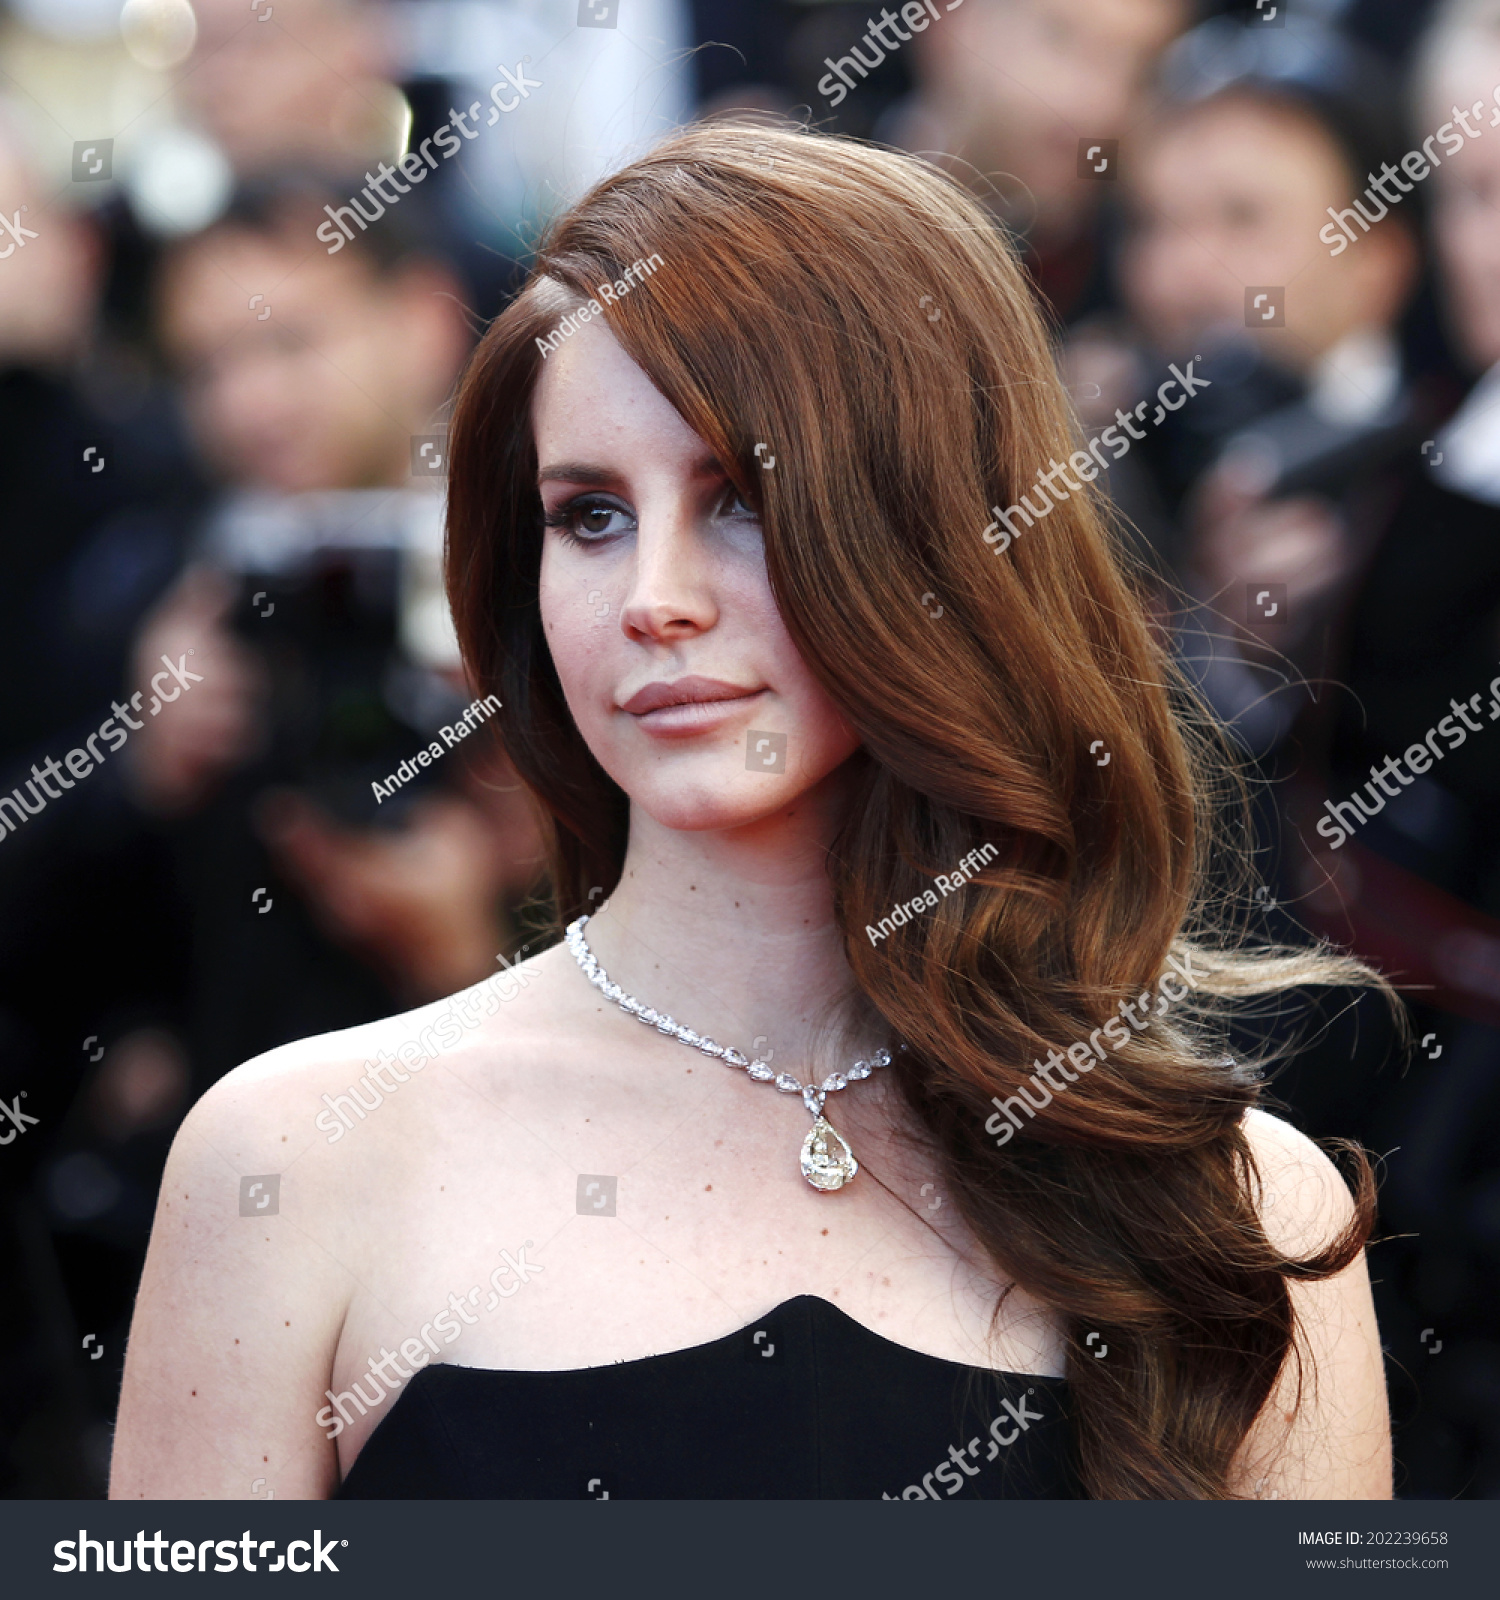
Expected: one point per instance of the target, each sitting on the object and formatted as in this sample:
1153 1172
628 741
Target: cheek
817 721
580 611
565 621
830 739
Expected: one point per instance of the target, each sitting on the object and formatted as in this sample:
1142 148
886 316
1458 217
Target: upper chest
575 1212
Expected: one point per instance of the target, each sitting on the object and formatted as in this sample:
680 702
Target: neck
733 934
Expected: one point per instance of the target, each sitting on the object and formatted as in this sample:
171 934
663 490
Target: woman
833 769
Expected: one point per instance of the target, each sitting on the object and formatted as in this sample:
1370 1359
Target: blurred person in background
309 379
1412 878
1261 486
310 90
67 384
336 86
1011 93
1284 483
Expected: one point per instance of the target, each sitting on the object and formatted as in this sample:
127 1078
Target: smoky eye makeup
589 518
594 517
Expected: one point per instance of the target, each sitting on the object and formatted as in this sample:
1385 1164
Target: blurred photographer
1257 495
1426 629
1005 89
315 605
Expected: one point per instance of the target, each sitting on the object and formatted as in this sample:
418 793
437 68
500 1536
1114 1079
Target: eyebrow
588 472
577 472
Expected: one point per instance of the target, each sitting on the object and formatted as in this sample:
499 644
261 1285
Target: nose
671 593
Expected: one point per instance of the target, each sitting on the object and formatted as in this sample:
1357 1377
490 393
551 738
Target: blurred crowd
221 472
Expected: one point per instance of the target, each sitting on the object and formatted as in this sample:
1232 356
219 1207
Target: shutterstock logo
93 160
429 455
1098 158
186 1555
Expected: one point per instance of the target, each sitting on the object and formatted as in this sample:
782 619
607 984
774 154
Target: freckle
286 1324
825 1235
717 1142
885 1283
692 886
283 1138
237 1341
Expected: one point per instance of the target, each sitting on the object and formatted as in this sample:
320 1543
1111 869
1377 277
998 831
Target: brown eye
589 521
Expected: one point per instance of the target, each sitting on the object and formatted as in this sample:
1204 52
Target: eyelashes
570 518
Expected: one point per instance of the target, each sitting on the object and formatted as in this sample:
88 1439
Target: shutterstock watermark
13 1113
900 915
1338 235
1346 816
1004 1430
1086 1057
82 761
18 231
416 164
1003 529
606 292
918 15
416 1053
421 1349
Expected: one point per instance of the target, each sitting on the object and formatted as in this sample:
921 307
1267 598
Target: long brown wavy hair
855 311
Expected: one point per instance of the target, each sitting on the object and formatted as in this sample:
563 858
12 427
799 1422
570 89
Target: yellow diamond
827 1161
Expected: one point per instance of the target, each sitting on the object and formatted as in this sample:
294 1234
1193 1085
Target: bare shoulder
503 1020
270 1124
1324 1433
262 1238
1304 1202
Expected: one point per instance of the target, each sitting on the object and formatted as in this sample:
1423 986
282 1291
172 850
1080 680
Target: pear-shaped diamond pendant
827 1161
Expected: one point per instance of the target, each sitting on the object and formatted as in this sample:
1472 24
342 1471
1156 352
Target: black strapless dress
805 1404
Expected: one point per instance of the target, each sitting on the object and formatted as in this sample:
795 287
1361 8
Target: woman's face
676 665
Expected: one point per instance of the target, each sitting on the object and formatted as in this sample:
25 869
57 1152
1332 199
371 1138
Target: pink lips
686 703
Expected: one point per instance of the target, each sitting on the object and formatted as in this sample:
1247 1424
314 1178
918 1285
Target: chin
712 799
687 805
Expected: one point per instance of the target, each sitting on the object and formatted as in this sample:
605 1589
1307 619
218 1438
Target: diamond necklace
827 1161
